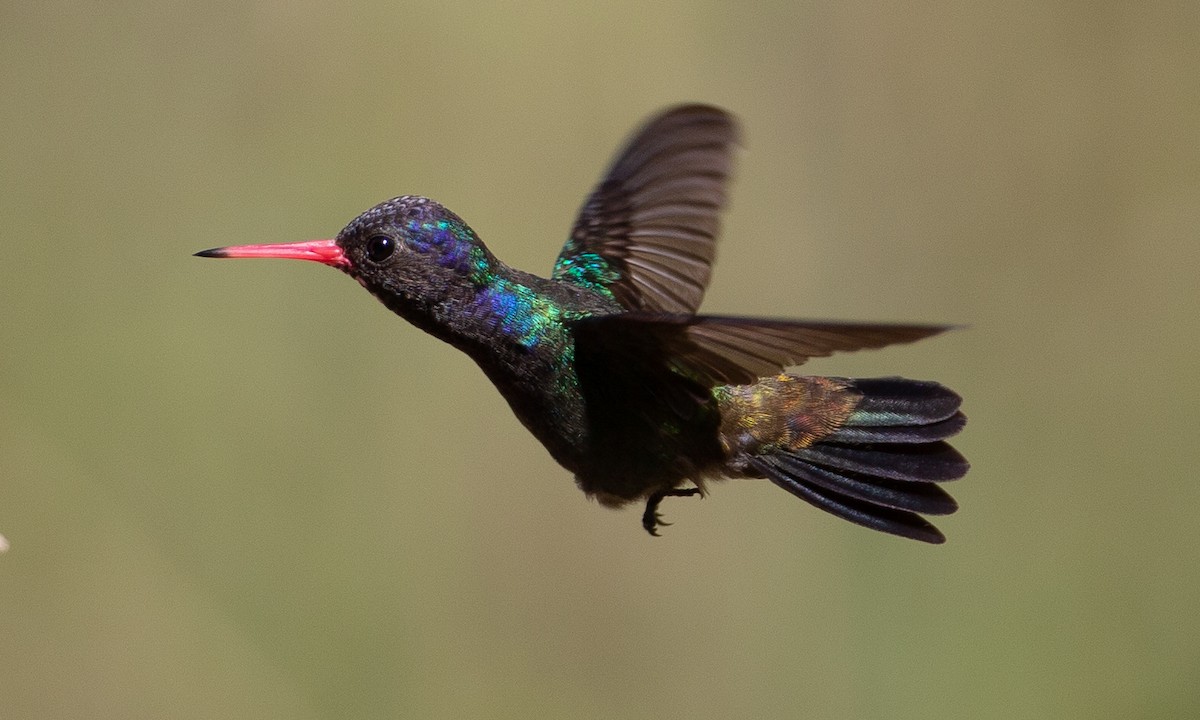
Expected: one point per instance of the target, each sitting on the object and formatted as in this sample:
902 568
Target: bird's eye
380 248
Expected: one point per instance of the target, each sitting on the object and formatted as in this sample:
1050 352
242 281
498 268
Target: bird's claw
651 518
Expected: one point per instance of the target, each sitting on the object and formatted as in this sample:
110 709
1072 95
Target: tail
872 453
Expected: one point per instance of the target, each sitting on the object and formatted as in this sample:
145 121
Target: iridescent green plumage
608 365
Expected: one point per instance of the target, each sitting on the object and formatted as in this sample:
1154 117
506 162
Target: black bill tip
212 252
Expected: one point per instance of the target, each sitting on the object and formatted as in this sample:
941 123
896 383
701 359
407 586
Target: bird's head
407 249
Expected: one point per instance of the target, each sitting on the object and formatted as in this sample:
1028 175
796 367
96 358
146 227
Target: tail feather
911 462
922 497
868 514
863 434
893 401
881 465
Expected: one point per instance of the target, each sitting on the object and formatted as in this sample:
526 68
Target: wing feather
660 199
736 350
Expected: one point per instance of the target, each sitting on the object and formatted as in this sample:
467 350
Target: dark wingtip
926 331
212 252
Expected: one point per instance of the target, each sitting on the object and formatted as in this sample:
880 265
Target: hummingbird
609 364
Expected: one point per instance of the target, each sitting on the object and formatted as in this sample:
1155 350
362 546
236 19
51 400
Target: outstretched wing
647 234
718 350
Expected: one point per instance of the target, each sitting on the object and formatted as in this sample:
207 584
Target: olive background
246 490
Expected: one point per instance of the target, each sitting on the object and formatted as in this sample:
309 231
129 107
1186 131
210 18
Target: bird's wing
647 234
718 350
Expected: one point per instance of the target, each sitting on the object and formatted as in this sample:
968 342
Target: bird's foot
651 519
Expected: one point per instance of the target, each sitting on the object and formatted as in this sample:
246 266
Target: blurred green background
246 490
